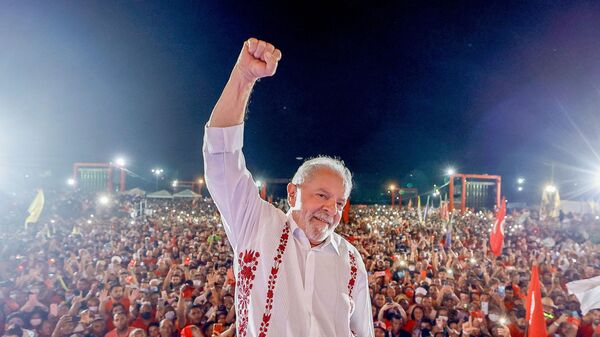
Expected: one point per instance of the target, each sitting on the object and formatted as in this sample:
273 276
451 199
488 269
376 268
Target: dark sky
392 89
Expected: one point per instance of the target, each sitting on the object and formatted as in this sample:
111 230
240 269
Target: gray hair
137 331
307 168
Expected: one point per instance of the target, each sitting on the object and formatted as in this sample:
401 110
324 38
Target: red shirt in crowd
515 331
585 330
113 333
108 307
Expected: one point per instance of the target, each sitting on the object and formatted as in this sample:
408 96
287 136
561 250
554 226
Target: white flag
587 292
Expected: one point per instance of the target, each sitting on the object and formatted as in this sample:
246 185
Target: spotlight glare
71 182
520 181
104 200
550 189
120 161
450 171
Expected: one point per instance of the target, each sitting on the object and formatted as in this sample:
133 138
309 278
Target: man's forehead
326 179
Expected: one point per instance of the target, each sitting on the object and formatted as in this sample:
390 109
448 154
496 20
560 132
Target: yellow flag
35 209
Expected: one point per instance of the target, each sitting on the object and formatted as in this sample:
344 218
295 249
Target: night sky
394 90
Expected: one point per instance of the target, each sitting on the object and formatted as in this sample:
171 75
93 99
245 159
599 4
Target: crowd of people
91 270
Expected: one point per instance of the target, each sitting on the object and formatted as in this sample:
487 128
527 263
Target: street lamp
157 173
103 200
120 162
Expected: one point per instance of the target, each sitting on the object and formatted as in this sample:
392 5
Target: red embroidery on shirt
353 272
264 325
352 281
247 262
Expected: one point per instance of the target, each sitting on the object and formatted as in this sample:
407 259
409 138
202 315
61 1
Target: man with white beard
294 275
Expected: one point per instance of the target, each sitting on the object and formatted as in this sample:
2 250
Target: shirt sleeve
230 183
361 321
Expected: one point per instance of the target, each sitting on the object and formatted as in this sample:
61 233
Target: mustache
321 216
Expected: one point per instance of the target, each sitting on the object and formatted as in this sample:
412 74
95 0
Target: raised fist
257 59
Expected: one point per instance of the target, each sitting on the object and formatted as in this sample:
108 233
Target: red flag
497 235
536 324
346 212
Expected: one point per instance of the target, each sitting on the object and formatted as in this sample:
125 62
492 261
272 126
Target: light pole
120 161
157 173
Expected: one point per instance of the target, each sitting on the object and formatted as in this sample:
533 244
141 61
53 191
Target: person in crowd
64 283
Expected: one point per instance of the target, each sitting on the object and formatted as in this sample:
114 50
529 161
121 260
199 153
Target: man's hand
257 59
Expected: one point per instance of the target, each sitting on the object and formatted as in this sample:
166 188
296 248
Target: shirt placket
309 290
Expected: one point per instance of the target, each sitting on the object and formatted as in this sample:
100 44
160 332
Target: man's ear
292 191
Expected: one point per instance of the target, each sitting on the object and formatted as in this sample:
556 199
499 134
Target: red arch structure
109 167
463 184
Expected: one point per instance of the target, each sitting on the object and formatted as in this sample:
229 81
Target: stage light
392 187
258 183
103 200
120 161
175 183
520 181
157 171
520 188
550 188
71 182
200 181
450 171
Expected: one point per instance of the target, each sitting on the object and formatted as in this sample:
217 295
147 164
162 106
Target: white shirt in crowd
283 286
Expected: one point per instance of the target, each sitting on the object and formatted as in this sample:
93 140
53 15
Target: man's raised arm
257 59
229 182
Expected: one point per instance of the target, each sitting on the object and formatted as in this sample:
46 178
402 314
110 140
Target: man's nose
330 206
